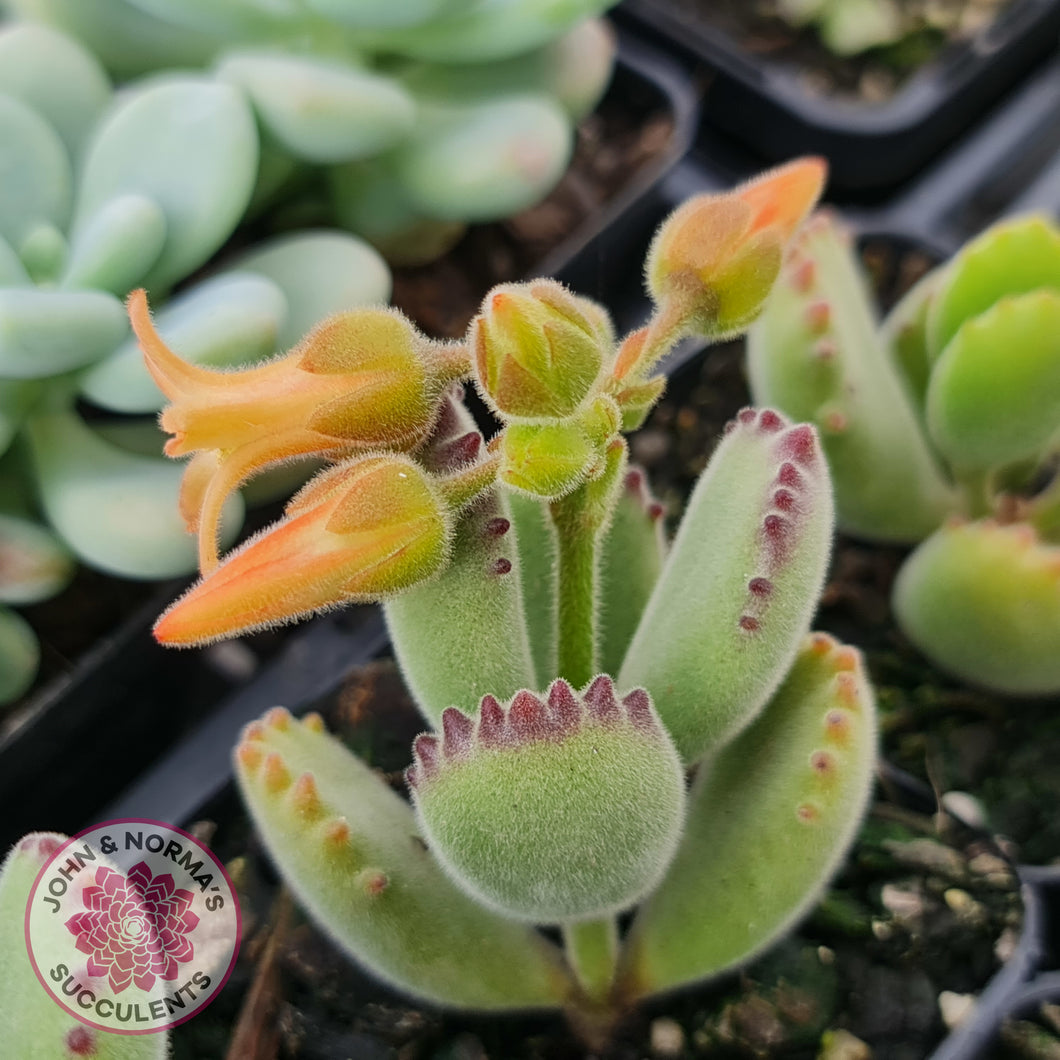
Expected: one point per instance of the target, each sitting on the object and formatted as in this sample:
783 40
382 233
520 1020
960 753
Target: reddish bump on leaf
800 444
457 729
784 500
746 415
655 511
807 813
824 349
459 451
372 881
846 689
278 718
749 624
527 717
600 699
837 727
563 705
501 566
337 833
818 316
789 475
761 587
80 1041
492 730
250 756
634 480
803 275
498 527
425 750
822 763
769 421
305 797
638 709
276 775
821 643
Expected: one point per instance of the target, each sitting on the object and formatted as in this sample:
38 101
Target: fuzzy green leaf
34 565
740 585
769 821
349 847
983 601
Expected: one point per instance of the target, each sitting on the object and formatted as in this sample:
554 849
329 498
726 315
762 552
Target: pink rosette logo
132 926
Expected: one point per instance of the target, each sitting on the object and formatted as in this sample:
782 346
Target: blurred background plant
295 118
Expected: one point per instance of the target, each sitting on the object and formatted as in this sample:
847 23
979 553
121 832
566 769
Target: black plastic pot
765 103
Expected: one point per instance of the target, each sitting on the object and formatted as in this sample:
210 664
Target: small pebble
929 856
968 910
667 1037
966 808
842 1045
955 1008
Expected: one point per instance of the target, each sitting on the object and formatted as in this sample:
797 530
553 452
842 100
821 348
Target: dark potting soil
871 77
925 910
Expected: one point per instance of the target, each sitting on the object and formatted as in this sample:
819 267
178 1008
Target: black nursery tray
766 103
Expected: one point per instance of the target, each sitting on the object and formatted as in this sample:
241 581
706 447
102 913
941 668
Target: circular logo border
119 822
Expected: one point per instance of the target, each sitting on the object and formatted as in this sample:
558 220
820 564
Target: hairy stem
592 951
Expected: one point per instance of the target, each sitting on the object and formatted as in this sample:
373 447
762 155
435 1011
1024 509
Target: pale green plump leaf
320 273
116 511
384 14
45 332
483 160
816 353
631 558
32 1025
226 18
190 146
904 333
229 320
17 397
34 563
56 77
19 659
36 169
994 396
740 585
463 633
125 39
983 601
488 30
12 271
320 110
557 809
351 852
1013 257
849 27
769 821
115 248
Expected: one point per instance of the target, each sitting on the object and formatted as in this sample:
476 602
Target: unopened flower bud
537 349
358 532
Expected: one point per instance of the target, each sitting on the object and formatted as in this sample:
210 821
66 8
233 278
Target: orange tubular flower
361 380
358 532
715 258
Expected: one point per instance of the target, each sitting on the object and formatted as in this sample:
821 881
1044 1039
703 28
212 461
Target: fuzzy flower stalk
571 665
942 429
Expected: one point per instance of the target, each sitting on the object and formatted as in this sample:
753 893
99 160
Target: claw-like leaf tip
372 881
39 846
824 350
655 511
305 797
749 624
491 723
276 775
807 813
250 756
498 527
501 566
776 528
769 421
563 704
278 718
80 1041
337 833
822 763
638 709
804 275
845 658
789 475
313 722
746 415
784 500
837 727
412 777
634 481
457 730
425 748
822 643
254 731
846 689
800 443
527 717
818 316
600 699
761 587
